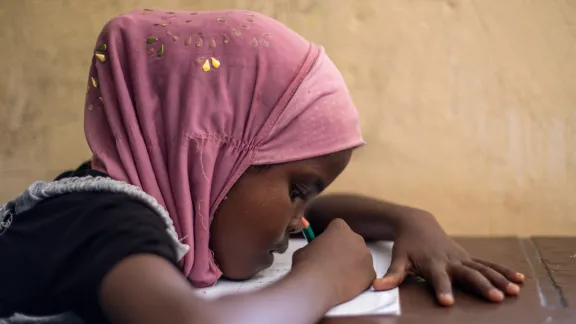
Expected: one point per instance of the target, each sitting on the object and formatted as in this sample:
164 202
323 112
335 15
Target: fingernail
496 295
380 284
519 276
513 289
387 278
446 299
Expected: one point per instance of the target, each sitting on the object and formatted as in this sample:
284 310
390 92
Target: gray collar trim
40 191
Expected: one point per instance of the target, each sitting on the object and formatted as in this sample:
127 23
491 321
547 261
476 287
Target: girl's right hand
341 259
333 269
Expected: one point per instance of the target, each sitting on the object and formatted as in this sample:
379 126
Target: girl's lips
280 248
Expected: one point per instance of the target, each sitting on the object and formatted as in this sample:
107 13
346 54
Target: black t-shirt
54 257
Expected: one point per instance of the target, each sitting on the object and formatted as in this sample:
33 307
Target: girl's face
263 208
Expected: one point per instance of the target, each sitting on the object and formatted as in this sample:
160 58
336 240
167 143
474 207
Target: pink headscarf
182 103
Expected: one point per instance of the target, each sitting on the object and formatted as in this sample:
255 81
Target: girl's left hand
423 249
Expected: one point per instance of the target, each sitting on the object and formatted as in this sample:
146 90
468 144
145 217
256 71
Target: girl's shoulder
83 170
83 189
77 194
76 229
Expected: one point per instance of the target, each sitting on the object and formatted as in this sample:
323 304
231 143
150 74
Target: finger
442 286
394 276
507 272
495 277
470 278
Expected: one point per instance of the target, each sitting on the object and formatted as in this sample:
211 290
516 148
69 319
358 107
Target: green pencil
307 230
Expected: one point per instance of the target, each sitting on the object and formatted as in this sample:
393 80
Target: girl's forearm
372 218
301 297
146 289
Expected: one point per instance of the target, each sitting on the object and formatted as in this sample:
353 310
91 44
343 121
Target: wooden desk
548 295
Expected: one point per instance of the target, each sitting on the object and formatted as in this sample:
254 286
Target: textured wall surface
469 107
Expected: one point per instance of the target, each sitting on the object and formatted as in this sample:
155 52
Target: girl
212 133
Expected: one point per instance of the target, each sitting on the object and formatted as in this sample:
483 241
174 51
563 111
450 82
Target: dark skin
263 208
261 211
263 204
421 247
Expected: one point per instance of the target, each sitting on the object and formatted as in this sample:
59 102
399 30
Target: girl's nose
296 229
296 225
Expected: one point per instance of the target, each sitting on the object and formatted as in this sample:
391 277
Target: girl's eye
298 191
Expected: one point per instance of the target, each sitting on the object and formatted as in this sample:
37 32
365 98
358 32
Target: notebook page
368 303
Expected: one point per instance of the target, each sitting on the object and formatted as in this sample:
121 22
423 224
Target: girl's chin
268 261
264 263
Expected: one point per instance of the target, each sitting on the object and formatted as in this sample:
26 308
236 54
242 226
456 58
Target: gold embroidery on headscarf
206 66
264 42
160 51
151 40
100 57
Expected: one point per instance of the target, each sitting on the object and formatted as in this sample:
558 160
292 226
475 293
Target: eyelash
298 191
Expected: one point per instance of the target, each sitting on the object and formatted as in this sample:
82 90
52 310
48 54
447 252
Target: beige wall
469 107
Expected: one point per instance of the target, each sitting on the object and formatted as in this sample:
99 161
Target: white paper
369 303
